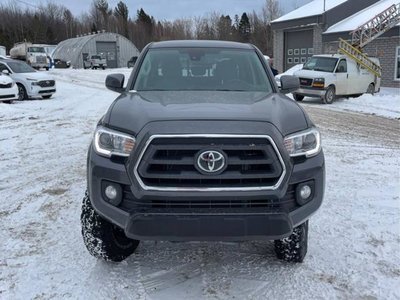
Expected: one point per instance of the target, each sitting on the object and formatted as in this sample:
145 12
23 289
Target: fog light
111 192
305 192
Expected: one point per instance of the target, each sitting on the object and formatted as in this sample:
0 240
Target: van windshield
202 69
323 64
96 57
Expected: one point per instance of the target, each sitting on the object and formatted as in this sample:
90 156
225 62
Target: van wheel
330 95
103 239
371 89
22 95
294 247
298 97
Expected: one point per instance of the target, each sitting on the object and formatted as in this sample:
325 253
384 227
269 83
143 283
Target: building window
311 51
296 60
289 60
303 51
397 65
296 51
303 60
290 52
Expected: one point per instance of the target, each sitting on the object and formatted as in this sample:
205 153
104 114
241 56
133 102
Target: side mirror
5 72
289 84
115 82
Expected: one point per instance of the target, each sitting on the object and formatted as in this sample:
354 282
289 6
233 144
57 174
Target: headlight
319 82
108 142
306 143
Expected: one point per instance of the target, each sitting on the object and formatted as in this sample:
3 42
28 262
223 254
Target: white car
8 89
31 83
95 62
327 76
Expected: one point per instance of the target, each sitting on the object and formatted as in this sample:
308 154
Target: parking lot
354 238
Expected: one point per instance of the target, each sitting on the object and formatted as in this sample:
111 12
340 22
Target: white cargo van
329 76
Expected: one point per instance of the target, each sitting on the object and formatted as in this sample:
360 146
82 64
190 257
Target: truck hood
311 74
133 110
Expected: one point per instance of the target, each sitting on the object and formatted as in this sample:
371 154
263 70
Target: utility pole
324 5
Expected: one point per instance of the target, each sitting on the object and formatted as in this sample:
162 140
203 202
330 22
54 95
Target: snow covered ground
354 238
386 103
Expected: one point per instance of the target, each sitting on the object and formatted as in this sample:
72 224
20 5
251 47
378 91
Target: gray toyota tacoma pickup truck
201 145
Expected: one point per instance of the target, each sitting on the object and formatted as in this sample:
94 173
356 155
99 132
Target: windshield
324 64
202 69
96 57
36 50
20 67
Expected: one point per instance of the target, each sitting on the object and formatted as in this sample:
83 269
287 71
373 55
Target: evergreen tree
244 28
122 13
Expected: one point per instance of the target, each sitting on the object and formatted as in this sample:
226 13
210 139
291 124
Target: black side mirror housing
289 84
115 82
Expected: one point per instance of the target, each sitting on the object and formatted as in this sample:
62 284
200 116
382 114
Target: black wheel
103 68
298 97
22 95
294 247
47 68
371 89
47 96
103 239
330 95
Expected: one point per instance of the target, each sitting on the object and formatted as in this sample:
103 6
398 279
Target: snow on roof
313 8
354 21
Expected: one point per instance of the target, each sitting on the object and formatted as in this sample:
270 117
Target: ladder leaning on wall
366 33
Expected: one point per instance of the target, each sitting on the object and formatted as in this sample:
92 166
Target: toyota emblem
211 161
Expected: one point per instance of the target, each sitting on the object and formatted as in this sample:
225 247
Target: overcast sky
172 9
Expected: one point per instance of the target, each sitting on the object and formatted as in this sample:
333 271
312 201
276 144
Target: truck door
342 76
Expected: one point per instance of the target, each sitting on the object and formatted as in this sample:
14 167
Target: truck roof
200 43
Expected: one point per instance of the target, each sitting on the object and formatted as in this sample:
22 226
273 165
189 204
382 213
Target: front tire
330 95
103 239
294 247
22 94
298 97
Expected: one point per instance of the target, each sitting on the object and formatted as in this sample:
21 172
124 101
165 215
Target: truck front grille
170 162
305 81
46 83
41 59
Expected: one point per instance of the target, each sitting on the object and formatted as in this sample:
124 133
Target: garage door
298 47
109 51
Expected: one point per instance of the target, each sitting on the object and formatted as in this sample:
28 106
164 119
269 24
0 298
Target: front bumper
147 222
310 92
38 91
9 94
